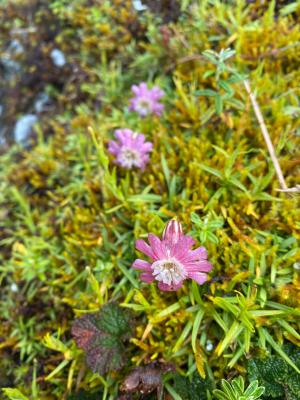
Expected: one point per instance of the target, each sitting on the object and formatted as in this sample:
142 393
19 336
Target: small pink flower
172 260
145 100
130 149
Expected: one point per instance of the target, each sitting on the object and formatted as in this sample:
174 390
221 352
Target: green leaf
290 8
182 337
14 394
211 56
211 170
238 385
144 198
218 104
225 85
235 103
231 335
165 168
235 390
194 388
196 327
173 392
218 394
251 388
102 336
206 92
206 116
279 350
128 273
276 375
228 389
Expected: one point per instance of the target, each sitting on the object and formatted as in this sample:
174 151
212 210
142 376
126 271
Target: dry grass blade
269 143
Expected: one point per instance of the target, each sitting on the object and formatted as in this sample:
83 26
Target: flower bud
173 231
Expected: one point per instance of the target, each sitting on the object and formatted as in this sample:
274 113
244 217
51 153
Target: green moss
69 217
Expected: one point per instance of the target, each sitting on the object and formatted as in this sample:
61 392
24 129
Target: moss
69 217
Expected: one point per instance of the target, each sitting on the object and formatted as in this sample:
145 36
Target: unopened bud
173 231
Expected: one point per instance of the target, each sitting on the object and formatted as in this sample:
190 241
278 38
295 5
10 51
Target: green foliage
82 395
278 378
204 230
69 217
14 394
235 390
102 336
192 388
224 95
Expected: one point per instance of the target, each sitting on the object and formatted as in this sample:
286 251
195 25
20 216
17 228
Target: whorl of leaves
102 336
279 379
235 390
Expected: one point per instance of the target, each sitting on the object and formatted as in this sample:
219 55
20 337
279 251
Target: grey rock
41 102
58 58
15 47
138 5
23 128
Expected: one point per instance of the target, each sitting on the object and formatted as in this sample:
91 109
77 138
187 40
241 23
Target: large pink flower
145 100
172 260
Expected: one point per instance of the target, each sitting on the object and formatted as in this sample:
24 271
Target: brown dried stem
266 136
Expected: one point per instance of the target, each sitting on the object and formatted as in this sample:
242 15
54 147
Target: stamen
169 271
144 106
130 157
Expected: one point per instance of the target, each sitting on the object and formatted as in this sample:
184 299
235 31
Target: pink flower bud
173 231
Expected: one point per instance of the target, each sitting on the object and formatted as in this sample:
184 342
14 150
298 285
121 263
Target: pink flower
145 100
172 260
130 150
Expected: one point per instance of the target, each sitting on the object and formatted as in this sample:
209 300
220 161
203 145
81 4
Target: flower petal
113 147
199 277
198 266
157 246
147 277
143 247
141 265
180 249
200 253
169 288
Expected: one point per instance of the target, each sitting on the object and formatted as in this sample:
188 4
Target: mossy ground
69 217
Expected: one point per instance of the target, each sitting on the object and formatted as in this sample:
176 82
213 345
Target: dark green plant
83 395
192 388
279 379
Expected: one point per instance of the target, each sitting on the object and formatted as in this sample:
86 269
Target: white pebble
58 57
209 346
14 287
296 265
138 5
23 128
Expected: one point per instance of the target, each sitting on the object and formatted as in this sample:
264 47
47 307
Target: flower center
144 106
170 271
130 157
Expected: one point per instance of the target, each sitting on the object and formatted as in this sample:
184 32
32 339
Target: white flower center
170 271
143 106
130 157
